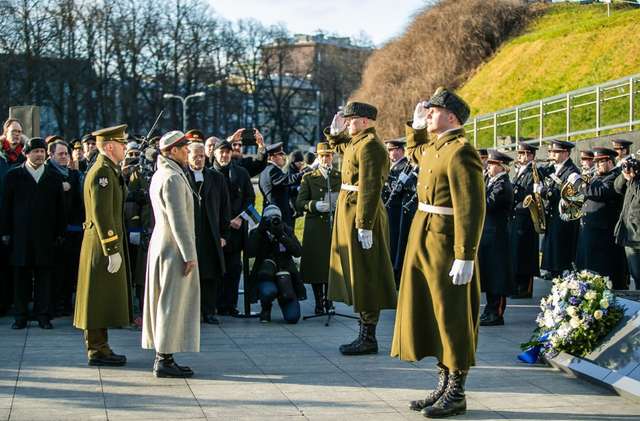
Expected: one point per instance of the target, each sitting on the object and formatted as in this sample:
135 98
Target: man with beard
360 271
439 299
597 250
241 196
171 316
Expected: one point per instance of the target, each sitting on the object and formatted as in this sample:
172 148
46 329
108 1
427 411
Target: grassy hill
566 48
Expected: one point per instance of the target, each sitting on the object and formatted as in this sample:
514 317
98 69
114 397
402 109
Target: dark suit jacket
33 215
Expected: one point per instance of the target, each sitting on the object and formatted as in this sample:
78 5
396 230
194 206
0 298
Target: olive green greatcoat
103 299
358 277
316 239
435 317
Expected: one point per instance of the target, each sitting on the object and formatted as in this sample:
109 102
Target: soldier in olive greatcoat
439 300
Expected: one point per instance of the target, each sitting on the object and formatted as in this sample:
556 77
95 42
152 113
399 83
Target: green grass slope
566 48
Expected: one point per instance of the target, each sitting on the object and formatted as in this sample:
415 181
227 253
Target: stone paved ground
249 371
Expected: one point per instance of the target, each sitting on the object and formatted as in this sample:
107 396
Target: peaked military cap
586 154
323 148
76 144
112 134
222 144
444 98
396 143
497 157
34 143
360 109
172 139
275 148
604 153
195 135
527 147
621 143
561 145
88 137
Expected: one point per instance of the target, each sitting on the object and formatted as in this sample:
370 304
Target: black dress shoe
112 360
211 319
45 324
319 309
19 324
492 320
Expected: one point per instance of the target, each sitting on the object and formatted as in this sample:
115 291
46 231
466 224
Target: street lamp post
185 106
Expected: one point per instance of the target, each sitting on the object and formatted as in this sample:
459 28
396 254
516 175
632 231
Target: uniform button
437 155
430 170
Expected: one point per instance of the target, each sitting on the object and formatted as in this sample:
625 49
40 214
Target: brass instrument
572 197
535 204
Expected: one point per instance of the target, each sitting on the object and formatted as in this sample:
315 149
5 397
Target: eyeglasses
237 144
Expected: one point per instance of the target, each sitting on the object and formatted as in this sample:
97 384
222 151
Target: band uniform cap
527 147
274 148
112 134
171 139
52 138
360 109
222 144
194 135
561 145
623 143
133 146
444 98
586 154
497 157
604 153
483 152
34 143
396 143
323 148
88 137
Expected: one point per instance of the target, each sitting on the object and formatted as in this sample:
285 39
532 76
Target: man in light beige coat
171 319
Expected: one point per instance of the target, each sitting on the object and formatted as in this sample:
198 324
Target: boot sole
452 414
106 364
172 376
373 351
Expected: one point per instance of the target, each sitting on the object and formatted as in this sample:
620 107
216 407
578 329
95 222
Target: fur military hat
112 134
444 98
34 143
360 109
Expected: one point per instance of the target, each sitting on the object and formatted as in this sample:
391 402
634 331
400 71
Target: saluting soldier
597 250
525 241
103 296
360 265
317 200
560 240
439 299
400 200
494 254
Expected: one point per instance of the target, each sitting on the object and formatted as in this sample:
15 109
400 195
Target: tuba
535 204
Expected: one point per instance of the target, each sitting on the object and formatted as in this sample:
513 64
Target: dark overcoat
561 238
494 254
525 241
435 317
274 185
103 299
33 215
597 249
316 239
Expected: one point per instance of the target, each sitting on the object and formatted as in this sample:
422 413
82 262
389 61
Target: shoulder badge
103 181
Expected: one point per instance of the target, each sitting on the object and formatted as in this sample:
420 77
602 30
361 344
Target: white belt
439 210
349 187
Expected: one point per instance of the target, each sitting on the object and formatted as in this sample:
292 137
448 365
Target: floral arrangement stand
585 330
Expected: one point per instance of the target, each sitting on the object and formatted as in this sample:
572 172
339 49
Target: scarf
12 154
36 173
64 171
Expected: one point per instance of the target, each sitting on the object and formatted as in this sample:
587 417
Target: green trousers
370 317
97 342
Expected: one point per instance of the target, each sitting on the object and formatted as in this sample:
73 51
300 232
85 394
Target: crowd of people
117 230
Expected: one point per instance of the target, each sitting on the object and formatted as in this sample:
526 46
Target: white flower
598 314
548 320
564 330
571 311
575 322
609 284
591 295
604 303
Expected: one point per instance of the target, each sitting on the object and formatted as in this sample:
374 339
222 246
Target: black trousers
319 292
524 283
65 271
209 295
496 304
6 281
228 291
36 281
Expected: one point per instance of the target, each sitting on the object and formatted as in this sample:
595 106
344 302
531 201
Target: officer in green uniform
317 200
360 264
440 287
103 296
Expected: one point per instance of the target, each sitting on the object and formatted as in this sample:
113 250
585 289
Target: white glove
5 239
419 117
537 187
403 177
134 238
322 206
315 164
115 261
573 178
366 238
461 271
338 124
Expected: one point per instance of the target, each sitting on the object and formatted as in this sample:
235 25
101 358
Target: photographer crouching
627 231
274 273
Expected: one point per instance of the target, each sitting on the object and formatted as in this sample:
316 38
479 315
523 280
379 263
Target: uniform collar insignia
448 137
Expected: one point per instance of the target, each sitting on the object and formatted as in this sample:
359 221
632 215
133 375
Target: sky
381 20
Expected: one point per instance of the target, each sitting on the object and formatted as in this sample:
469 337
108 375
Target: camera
631 164
248 137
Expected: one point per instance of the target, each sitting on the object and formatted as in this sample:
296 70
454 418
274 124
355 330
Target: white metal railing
609 107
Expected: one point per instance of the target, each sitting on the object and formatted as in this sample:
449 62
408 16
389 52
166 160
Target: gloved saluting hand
419 117
338 124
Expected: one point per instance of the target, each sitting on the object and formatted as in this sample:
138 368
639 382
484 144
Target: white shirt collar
198 175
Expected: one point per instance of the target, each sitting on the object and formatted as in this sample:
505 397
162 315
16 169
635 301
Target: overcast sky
379 19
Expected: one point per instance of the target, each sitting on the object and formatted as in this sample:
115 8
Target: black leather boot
434 395
453 401
166 367
366 342
265 313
